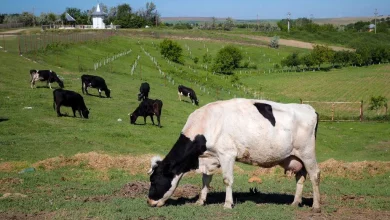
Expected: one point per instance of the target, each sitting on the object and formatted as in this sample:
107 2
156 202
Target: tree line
122 14
320 55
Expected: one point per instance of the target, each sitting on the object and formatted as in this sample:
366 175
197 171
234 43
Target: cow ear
155 161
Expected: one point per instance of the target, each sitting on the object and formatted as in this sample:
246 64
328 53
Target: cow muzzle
153 203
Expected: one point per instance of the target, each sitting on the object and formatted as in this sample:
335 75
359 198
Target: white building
97 18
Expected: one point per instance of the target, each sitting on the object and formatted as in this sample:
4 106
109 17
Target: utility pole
156 18
288 21
376 13
257 22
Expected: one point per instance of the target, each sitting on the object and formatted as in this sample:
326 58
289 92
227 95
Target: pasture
96 168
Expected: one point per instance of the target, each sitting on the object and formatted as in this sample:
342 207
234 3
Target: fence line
333 108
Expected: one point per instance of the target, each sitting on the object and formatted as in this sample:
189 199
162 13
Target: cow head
165 175
133 118
108 93
61 84
85 113
196 102
140 95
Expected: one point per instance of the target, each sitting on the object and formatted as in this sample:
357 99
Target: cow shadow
3 119
241 197
142 124
103 97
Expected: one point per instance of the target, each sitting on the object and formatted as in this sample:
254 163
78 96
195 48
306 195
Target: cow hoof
295 203
316 210
227 206
199 202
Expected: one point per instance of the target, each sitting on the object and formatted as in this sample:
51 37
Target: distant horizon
238 10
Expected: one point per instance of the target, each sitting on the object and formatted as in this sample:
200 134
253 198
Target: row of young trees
363 56
121 14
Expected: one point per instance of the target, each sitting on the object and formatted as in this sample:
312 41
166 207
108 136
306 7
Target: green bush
171 50
227 59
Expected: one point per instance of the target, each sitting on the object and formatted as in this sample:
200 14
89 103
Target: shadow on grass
3 119
146 124
241 197
103 97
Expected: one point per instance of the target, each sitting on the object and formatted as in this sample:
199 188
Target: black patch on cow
315 130
183 157
266 111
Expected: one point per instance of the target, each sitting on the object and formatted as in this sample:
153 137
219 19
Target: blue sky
237 9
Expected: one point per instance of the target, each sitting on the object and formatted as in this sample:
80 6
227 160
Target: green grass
32 135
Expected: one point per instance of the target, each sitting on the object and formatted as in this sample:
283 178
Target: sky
237 9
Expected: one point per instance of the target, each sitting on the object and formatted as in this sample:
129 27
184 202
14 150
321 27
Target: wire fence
21 43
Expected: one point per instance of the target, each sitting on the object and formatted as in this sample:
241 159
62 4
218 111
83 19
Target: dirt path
292 43
14 31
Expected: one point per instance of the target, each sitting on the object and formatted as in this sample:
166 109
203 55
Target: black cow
182 90
148 107
45 75
143 91
94 82
69 99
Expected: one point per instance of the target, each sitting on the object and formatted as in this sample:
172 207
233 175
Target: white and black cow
144 90
94 82
45 75
148 107
182 90
257 132
69 99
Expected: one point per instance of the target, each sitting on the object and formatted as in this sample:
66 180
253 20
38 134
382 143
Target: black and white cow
69 99
144 90
45 75
256 132
182 90
148 107
94 82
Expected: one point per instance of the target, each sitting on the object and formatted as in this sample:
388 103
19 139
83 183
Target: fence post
301 100
20 52
361 111
3 43
78 63
332 111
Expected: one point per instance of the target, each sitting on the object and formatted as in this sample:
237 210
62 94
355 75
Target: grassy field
83 166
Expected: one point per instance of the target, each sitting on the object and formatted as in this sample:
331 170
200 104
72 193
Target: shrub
228 59
207 58
377 102
274 42
196 60
171 50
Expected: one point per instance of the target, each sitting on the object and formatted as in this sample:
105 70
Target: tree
377 102
227 59
229 24
308 60
171 50
207 58
291 60
365 55
27 19
321 54
274 42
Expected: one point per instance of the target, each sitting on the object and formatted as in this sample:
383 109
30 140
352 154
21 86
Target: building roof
69 18
98 12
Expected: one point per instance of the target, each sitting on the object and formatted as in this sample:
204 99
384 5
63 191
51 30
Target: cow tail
315 129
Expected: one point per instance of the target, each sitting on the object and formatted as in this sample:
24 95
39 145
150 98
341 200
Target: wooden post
301 101
20 52
25 44
361 111
3 43
332 111
78 63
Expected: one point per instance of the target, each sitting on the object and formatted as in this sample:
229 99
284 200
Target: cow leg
144 120
158 120
83 87
74 112
151 117
311 166
206 179
300 177
227 163
58 110
100 93
179 95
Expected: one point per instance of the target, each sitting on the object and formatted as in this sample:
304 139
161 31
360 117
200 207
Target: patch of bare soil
35 216
353 170
133 164
10 181
345 213
135 189
332 167
12 166
188 191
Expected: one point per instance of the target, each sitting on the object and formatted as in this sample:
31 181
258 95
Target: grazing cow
143 91
69 99
94 82
182 90
148 107
45 75
256 132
